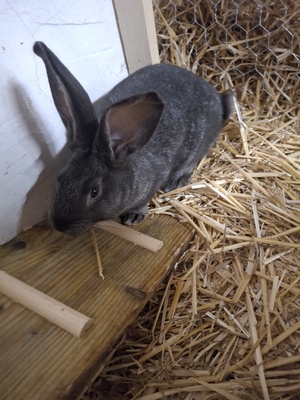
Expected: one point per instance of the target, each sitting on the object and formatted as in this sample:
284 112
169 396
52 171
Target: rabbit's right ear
130 123
71 100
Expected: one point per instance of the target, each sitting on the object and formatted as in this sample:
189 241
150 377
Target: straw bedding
226 323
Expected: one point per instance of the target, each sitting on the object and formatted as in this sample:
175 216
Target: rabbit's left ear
71 100
130 123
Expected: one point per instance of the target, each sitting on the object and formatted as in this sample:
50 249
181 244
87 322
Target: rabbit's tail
227 104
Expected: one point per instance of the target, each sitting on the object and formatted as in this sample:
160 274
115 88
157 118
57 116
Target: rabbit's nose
60 224
73 227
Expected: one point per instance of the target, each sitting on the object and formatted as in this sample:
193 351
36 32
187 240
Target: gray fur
179 118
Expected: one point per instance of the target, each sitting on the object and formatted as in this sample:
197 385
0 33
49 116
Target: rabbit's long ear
130 123
71 100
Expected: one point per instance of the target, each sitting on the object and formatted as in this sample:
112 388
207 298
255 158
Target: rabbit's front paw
133 217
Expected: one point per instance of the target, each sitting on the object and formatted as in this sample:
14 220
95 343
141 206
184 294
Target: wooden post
137 29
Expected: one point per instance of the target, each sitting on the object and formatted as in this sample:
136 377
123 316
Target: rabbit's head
100 147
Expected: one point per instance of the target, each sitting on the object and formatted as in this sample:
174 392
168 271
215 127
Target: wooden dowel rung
54 311
130 234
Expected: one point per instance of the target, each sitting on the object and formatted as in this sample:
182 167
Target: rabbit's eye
94 193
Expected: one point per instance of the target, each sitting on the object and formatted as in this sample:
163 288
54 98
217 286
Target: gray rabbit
148 133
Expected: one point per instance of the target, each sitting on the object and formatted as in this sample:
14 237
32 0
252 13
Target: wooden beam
137 29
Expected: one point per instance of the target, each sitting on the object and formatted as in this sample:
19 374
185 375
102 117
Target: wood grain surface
39 360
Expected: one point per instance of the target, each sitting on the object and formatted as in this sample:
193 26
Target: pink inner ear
126 121
115 143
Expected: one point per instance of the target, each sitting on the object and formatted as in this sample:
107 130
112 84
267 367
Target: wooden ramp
39 360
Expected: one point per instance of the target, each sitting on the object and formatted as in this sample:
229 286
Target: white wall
85 37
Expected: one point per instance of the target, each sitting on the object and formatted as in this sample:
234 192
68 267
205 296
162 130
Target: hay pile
226 323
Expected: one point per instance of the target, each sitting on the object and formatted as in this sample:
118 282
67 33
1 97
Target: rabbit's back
175 86
193 110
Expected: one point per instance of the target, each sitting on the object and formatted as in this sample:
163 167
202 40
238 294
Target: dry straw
226 323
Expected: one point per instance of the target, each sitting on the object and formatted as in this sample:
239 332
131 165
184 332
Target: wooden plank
137 29
39 360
